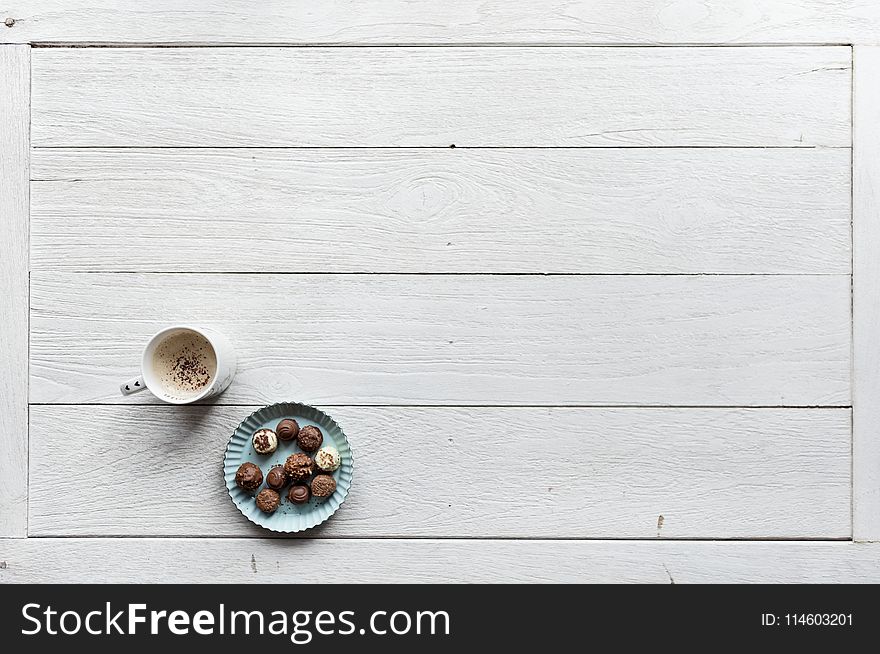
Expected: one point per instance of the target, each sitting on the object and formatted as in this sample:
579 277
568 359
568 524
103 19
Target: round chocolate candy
323 486
248 476
268 500
298 494
309 438
276 478
287 429
299 467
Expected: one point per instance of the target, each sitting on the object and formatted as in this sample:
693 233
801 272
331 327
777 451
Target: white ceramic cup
150 377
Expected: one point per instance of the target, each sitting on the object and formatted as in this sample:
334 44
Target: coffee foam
185 363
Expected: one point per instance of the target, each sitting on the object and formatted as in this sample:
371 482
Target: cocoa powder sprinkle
189 371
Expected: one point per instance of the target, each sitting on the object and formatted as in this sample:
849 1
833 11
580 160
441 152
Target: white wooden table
628 251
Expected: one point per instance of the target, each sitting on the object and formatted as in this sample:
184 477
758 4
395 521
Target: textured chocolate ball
248 476
299 467
265 441
310 438
276 478
287 429
298 494
323 486
268 500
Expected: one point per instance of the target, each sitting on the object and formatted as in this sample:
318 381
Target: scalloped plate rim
290 409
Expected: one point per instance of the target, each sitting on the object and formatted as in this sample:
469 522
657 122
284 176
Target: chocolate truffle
323 486
287 429
310 438
249 476
268 500
276 478
299 467
298 494
265 441
327 459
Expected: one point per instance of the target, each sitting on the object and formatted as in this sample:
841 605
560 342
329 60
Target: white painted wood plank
866 295
134 560
415 210
454 339
451 21
493 96
600 473
14 127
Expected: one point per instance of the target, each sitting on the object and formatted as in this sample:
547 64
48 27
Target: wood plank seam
194 45
852 269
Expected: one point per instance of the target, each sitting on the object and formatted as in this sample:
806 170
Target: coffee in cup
184 364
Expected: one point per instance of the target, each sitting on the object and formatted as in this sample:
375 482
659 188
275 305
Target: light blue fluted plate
290 517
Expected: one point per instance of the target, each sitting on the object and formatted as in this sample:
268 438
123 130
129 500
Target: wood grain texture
451 21
627 210
14 121
459 339
135 560
866 295
796 97
459 472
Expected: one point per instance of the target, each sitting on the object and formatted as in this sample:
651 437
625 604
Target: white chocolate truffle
265 441
327 459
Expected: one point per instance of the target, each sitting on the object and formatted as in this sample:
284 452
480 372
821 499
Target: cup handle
135 385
